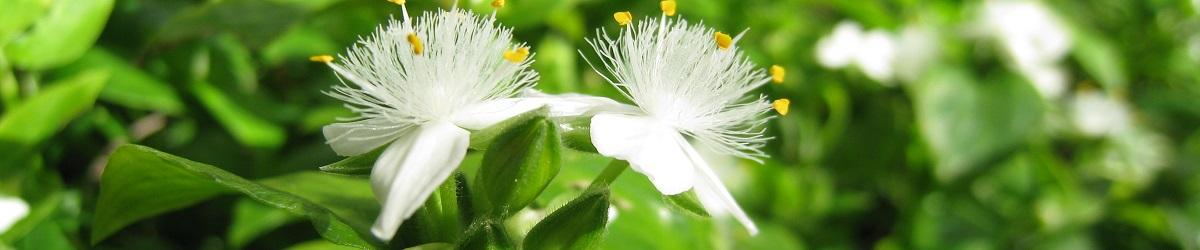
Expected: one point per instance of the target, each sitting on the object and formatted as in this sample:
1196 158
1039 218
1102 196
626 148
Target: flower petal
410 170
712 192
359 137
14 209
650 147
486 114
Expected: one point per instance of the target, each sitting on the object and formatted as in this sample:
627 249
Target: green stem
609 174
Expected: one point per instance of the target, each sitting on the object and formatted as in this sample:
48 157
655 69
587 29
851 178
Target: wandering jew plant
417 85
690 85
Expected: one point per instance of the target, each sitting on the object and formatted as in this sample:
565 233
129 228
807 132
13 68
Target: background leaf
67 30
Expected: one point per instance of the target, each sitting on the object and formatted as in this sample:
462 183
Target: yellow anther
668 7
497 3
781 106
400 2
516 56
723 40
416 43
321 58
777 73
623 18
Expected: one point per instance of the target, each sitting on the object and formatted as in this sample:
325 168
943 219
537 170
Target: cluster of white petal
676 74
1035 39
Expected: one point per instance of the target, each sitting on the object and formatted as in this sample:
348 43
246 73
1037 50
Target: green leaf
140 182
687 201
967 124
28 124
1102 60
252 219
67 30
129 86
233 64
519 165
358 165
578 225
433 246
18 15
248 129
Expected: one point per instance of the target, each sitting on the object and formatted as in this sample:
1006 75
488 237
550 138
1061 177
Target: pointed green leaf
519 165
687 201
358 165
140 182
578 225
128 86
67 30
28 124
248 129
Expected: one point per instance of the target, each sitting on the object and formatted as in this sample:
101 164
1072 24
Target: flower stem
609 174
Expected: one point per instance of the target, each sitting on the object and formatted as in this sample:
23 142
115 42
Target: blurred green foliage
967 155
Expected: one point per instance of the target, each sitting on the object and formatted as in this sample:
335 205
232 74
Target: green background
965 156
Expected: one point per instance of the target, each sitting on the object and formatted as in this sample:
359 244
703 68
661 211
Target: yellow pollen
321 58
777 73
623 18
497 3
723 40
668 7
400 2
781 106
516 56
416 43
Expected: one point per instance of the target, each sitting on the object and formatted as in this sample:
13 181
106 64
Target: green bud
518 166
481 139
486 235
439 219
577 134
578 225
687 201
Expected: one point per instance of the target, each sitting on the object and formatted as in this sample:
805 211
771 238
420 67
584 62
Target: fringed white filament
462 65
676 73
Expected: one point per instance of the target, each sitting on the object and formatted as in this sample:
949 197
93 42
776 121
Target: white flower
690 85
12 209
873 52
1095 114
1034 38
420 85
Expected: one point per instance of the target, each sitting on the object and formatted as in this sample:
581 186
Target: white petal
650 147
488 113
12 209
877 55
712 192
839 48
411 169
573 105
358 137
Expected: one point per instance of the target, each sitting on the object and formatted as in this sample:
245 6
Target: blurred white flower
1095 114
421 97
12 209
873 52
1035 39
917 49
689 82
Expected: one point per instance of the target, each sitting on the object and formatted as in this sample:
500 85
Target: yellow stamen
723 40
416 43
623 18
516 56
400 2
497 3
668 7
777 73
321 58
781 106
